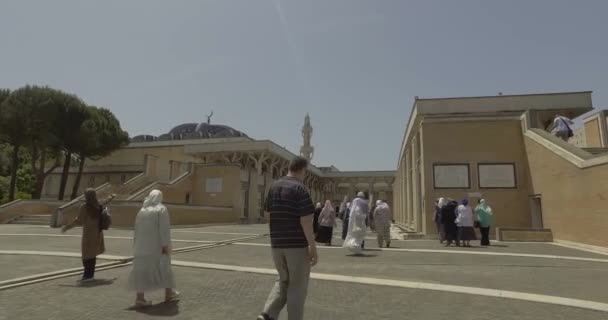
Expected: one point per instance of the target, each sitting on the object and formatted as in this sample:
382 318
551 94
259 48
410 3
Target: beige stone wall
28 207
592 133
135 156
474 142
230 175
573 199
88 180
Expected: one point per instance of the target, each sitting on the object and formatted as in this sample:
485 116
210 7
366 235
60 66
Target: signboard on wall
497 175
451 176
214 185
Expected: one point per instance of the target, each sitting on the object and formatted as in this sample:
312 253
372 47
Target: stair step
40 223
596 150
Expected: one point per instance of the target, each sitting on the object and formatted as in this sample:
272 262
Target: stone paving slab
17 266
71 244
573 279
507 247
210 295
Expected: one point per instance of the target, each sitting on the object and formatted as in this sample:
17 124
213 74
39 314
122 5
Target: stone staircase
596 151
123 192
36 219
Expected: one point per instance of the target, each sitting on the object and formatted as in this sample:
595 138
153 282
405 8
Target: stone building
213 173
498 148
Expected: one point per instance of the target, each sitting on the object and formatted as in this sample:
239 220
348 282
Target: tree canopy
41 129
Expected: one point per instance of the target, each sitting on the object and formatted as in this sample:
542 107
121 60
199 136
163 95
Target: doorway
536 210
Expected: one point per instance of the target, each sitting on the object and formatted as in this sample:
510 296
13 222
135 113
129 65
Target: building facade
499 148
211 166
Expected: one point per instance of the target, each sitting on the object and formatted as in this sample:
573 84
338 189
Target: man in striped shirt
294 250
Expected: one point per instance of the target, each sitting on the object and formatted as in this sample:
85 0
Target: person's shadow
163 309
91 284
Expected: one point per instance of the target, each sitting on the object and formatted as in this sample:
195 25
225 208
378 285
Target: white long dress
151 269
356 226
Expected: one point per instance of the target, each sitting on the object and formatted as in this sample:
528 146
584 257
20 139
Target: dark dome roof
183 128
203 131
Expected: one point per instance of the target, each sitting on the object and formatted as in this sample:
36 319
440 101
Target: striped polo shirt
288 200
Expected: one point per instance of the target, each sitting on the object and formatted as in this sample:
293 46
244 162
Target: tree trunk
14 167
36 194
78 176
64 175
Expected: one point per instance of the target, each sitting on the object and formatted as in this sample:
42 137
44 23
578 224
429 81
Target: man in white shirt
561 127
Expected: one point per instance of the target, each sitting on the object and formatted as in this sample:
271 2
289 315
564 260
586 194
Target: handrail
150 186
8 204
578 157
134 178
79 198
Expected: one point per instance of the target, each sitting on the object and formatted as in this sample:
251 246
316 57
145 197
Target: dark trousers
485 236
89 268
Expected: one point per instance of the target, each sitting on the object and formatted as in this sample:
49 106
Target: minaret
307 151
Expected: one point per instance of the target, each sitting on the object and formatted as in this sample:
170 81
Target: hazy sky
261 65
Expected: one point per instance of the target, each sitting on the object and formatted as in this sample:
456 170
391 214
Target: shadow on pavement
163 309
95 283
362 255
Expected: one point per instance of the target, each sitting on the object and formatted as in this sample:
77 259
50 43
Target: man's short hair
297 164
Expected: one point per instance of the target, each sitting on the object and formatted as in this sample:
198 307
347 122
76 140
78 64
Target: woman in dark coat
448 219
92 236
345 217
315 221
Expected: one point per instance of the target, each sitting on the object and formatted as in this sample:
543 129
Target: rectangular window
496 175
451 176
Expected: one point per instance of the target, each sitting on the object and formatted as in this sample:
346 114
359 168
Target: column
416 186
254 189
410 197
372 198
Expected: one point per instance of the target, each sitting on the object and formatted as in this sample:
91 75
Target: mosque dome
203 131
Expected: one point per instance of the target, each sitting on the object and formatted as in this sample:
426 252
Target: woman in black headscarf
448 219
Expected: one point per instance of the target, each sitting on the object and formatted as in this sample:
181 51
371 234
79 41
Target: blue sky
261 65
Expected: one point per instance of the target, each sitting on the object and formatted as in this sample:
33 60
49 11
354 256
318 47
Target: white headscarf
378 202
154 199
442 202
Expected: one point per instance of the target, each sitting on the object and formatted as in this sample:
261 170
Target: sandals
173 297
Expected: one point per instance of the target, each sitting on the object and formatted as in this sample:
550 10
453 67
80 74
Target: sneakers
263 316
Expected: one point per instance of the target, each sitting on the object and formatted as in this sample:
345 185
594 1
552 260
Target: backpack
105 220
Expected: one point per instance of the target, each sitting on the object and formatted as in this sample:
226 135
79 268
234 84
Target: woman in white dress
357 228
152 246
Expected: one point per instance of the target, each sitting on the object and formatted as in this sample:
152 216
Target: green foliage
26 180
39 126
4 183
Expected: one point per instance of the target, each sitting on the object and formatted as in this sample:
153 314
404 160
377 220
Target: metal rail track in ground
23 281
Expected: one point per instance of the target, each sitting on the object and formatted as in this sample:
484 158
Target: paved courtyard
225 272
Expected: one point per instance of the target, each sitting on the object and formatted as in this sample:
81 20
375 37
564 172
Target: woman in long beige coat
92 236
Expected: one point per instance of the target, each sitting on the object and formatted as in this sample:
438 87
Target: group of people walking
151 244
357 216
456 222
295 228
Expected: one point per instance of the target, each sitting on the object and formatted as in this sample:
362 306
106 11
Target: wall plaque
214 185
451 176
497 175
